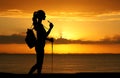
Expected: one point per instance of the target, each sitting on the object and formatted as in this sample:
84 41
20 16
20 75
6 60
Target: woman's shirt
41 34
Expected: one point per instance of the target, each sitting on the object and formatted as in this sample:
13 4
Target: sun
66 35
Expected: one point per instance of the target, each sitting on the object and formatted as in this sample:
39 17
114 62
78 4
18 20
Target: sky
82 21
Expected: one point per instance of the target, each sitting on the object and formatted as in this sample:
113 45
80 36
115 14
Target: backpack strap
32 27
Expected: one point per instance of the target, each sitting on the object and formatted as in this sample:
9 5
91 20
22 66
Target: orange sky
76 19
72 19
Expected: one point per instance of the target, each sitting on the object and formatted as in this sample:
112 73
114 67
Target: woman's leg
33 69
40 58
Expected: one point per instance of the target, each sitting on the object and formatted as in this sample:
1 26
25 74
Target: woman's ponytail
34 19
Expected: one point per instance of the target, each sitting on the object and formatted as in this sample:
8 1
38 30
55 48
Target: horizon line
61 53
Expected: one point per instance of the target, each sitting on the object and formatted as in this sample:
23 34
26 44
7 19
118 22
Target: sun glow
16 49
83 20
61 49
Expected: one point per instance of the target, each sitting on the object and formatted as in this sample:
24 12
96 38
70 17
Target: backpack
30 38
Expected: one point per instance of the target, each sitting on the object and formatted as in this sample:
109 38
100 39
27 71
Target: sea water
61 63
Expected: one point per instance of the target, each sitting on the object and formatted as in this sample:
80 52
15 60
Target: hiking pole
52 58
52 50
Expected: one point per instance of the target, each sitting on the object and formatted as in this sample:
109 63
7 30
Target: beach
64 66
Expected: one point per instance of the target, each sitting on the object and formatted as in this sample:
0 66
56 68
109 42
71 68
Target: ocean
62 63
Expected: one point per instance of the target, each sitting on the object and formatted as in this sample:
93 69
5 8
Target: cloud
20 39
107 40
14 38
113 16
84 16
115 38
15 13
65 16
62 8
97 6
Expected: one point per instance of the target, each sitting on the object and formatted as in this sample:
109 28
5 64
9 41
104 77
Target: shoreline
63 75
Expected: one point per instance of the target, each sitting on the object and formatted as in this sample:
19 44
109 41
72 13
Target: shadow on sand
62 75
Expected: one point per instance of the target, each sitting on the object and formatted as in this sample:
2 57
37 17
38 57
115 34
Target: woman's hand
49 30
51 25
51 39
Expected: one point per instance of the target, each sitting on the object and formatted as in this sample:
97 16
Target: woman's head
40 15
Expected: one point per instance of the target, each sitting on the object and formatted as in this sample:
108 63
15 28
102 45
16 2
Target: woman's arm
48 32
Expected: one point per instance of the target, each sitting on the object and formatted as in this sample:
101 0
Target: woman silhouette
38 16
